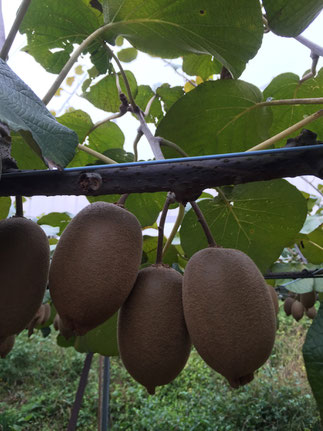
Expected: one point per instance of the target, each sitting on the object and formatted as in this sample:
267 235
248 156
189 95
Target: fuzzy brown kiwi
24 265
153 341
229 312
95 265
298 310
311 312
274 297
288 305
36 320
308 299
6 345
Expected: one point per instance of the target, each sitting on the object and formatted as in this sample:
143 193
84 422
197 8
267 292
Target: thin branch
159 255
96 154
178 222
149 105
14 29
205 226
315 49
2 30
19 207
269 142
167 143
135 145
80 392
282 102
153 140
312 185
69 64
125 79
100 123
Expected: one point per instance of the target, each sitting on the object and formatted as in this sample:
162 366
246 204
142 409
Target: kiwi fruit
153 341
308 299
47 313
6 345
288 305
95 265
24 265
229 312
311 312
274 297
36 320
298 310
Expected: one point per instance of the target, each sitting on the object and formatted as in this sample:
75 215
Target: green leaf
201 65
311 246
150 251
58 25
303 285
313 358
64 342
169 95
104 95
144 95
260 219
287 86
107 136
56 219
229 31
24 154
216 117
127 54
56 142
291 17
102 339
5 204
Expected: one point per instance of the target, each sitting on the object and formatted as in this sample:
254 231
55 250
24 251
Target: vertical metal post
105 399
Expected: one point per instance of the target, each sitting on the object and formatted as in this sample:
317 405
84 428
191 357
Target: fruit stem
159 255
178 222
19 207
204 225
122 199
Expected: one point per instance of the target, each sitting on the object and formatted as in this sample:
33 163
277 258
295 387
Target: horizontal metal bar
186 177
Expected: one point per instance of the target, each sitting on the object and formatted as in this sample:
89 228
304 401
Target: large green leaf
106 137
24 154
216 117
169 95
258 218
59 24
56 219
287 86
230 31
5 203
201 65
102 339
311 246
22 110
145 206
104 94
313 358
291 17
144 95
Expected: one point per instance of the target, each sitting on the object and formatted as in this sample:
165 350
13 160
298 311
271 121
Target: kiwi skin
308 299
274 297
311 312
24 265
288 305
298 310
95 265
6 345
153 341
229 312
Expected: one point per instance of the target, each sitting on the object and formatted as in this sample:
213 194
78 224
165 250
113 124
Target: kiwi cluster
299 305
